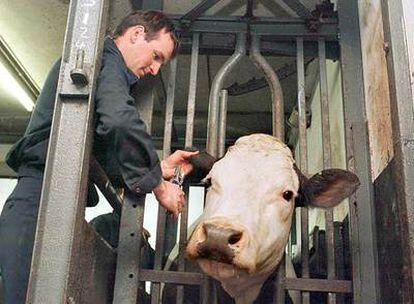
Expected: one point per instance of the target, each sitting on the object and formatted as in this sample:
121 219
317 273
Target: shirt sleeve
119 124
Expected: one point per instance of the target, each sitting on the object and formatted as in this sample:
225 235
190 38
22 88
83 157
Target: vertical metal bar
182 244
159 252
62 204
361 205
205 294
327 162
129 260
222 122
279 295
169 108
278 115
189 134
303 162
212 127
162 214
402 115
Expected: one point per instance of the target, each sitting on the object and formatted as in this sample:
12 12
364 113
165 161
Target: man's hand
170 196
178 158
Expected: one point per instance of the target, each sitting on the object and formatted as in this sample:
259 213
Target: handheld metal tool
178 177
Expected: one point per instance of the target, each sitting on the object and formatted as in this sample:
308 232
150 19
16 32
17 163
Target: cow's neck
245 290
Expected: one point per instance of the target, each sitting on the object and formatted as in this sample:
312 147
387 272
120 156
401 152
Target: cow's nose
219 243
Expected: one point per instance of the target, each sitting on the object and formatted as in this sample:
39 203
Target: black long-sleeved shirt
121 142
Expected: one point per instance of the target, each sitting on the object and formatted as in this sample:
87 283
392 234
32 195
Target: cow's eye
287 195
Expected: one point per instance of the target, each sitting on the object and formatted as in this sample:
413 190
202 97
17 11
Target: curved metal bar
275 88
212 125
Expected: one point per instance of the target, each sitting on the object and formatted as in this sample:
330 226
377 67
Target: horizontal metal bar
335 286
175 277
286 28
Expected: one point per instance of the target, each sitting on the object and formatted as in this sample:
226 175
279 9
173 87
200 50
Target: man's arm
119 125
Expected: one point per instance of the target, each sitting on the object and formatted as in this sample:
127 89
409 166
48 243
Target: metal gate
306 35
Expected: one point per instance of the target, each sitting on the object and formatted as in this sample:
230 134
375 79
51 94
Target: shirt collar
110 46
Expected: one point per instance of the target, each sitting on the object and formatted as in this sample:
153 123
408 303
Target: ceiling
34 32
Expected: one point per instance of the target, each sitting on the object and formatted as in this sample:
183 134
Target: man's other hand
178 158
170 196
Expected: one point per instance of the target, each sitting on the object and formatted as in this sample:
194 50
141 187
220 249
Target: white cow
249 205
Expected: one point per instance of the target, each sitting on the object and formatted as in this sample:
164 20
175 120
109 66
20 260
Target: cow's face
249 208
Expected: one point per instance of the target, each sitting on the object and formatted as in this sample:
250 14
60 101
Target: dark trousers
17 232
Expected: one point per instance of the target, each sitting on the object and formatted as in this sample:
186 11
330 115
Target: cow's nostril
235 238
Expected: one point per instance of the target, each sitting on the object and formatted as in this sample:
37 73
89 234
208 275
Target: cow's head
252 193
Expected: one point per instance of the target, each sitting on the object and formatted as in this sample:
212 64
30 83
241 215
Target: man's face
146 57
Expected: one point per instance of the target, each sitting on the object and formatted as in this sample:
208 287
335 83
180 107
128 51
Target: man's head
146 40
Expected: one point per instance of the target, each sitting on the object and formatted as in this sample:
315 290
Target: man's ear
202 164
136 32
327 188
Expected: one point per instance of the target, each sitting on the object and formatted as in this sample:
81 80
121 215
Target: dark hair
153 22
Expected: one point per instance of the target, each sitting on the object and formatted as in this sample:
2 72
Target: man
142 42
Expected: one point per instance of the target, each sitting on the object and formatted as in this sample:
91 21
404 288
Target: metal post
192 91
361 205
163 221
326 143
61 214
128 267
303 161
402 114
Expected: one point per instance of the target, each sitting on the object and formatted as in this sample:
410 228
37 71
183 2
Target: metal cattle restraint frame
62 232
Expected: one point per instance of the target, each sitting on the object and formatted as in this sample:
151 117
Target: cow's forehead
262 143
256 157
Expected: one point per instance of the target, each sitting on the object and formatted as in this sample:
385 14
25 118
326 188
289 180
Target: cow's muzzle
220 243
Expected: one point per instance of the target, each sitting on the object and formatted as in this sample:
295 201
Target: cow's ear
327 188
202 164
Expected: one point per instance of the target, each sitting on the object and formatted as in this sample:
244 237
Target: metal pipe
222 122
182 244
169 108
278 119
303 162
162 215
212 128
326 142
192 91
